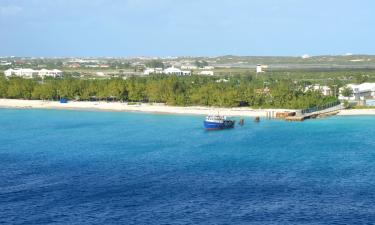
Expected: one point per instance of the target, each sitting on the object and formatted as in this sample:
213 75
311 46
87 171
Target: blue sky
186 27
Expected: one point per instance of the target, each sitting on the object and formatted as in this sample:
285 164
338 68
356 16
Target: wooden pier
316 112
301 115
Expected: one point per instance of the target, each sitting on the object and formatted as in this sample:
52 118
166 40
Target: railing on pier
320 108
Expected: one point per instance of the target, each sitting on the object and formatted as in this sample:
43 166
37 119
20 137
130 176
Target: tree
20 88
3 87
155 64
347 92
359 79
201 64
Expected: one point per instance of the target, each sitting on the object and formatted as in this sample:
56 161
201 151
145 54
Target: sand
155 108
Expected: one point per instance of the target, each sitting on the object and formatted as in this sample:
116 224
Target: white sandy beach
118 106
354 112
155 108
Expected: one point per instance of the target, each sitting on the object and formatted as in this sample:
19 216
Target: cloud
10 10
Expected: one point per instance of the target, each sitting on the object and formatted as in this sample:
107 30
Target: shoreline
155 108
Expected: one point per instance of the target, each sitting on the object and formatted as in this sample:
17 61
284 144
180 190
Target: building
259 68
149 71
49 73
74 65
30 73
360 92
176 71
306 56
5 63
25 73
222 80
206 72
189 67
208 67
325 90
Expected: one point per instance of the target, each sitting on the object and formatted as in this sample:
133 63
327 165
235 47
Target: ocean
88 167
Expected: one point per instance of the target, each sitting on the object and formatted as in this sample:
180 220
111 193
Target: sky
125 28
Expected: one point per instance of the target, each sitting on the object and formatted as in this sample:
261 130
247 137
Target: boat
217 122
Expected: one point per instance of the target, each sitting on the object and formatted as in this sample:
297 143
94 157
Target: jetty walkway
327 109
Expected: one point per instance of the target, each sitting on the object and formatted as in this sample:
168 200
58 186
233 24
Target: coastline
155 108
124 107
357 112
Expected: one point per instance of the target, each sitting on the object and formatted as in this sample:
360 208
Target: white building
5 63
259 68
149 71
30 73
206 72
360 92
189 67
208 67
325 90
176 71
305 56
49 73
222 80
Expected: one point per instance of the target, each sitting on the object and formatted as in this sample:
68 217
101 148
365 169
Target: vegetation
172 90
201 64
363 107
347 92
155 64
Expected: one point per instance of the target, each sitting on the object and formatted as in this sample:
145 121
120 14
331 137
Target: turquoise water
72 167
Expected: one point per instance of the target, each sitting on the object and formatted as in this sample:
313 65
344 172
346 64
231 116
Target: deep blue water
72 167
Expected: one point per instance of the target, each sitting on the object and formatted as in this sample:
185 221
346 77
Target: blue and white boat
217 122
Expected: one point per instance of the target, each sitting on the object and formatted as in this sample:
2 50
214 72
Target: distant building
259 68
92 66
189 67
305 56
74 65
30 73
208 67
206 72
222 80
149 71
360 92
5 63
325 90
100 74
176 71
49 73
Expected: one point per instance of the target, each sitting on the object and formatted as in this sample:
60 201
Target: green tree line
172 90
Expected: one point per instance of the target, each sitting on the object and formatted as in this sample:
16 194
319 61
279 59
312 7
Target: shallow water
73 167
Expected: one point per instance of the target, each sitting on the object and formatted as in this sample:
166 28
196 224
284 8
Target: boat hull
218 126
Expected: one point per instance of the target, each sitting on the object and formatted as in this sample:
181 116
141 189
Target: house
30 73
206 72
74 65
50 73
176 71
189 67
325 90
360 92
5 63
208 67
259 68
149 71
25 73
